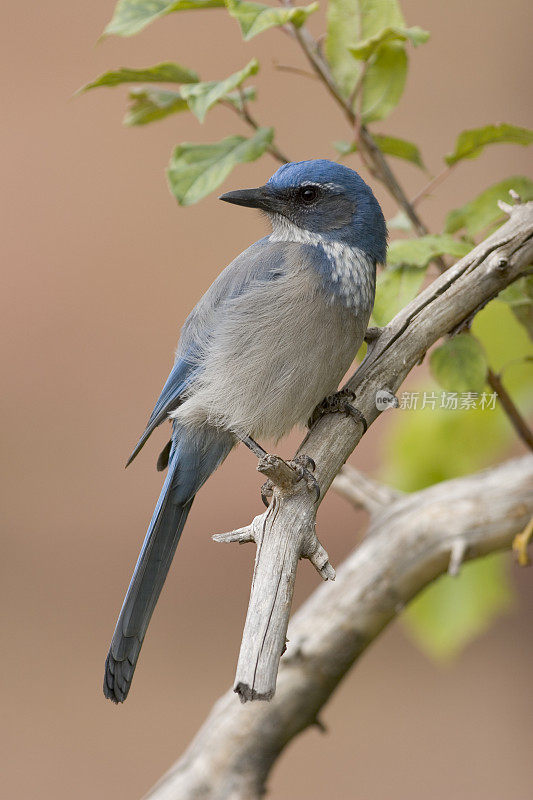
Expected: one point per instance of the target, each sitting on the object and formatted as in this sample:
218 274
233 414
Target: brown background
100 268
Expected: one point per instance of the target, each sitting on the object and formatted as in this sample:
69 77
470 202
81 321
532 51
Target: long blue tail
193 457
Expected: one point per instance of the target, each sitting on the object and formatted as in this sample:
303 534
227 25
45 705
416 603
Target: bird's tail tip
117 679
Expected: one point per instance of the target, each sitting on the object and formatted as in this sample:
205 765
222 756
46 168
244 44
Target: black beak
263 197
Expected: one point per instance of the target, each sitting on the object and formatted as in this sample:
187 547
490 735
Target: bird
269 340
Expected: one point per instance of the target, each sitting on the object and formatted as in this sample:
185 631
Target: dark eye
308 194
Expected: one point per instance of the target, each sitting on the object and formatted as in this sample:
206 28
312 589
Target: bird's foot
281 473
303 466
338 403
267 490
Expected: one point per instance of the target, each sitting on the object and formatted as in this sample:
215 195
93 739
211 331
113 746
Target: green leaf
399 148
343 29
506 341
247 94
160 73
255 18
394 289
345 148
366 48
453 611
400 222
351 21
384 82
202 96
407 260
195 170
378 14
430 444
419 252
471 143
519 297
131 16
460 364
149 105
483 210
508 347
390 145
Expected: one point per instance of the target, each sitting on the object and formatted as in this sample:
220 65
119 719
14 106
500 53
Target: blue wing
180 377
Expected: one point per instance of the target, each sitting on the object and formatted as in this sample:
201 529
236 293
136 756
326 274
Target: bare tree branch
362 491
408 545
286 531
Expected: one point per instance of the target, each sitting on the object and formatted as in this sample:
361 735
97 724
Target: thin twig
431 185
244 113
358 85
517 420
296 71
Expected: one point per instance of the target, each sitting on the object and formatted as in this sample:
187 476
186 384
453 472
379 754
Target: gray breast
278 350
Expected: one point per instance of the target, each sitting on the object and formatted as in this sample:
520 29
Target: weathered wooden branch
286 531
362 491
408 544
277 555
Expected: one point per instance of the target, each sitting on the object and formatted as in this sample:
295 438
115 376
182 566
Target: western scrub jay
271 337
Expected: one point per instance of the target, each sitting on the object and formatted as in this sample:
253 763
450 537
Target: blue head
325 198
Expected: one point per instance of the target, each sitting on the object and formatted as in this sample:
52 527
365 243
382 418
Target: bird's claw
339 402
303 466
267 490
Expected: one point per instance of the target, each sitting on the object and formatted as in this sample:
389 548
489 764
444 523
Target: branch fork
279 548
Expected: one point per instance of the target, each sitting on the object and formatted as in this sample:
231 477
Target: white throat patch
352 269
